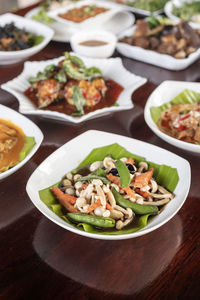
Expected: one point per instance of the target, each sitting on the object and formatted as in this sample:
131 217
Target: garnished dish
150 5
112 192
163 36
180 118
80 14
188 11
72 88
13 38
14 145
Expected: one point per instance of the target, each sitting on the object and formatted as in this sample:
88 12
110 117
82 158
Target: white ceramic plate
28 127
63 33
53 169
165 92
111 68
137 10
168 11
153 57
30 26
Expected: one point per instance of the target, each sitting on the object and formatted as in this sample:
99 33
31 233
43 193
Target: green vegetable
138 209
37 40
124 173
150 5
91 177
78 99
46 74
92 220
99 172
187 10
29 144
92 73
61 76
42 16
187 96
155 21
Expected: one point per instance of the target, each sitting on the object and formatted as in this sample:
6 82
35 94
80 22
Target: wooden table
40 260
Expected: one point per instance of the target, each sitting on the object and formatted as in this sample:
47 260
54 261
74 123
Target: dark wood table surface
40 260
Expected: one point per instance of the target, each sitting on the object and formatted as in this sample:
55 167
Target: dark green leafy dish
188 11
111 192
150 5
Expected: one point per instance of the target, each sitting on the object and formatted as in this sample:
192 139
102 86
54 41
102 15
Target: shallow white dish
153 57
102 51
165 92
30 26
168 11
94 22
28 127
63 33
111 68
137 10
52 169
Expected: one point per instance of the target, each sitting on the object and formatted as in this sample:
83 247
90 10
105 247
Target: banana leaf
185 97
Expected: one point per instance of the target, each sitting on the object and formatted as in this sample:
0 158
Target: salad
149 5
188 11
14 145
111 192
72 88
180 118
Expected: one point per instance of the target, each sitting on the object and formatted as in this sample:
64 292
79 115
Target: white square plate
28 127
10 57
152 57
111 68
165 92
69 156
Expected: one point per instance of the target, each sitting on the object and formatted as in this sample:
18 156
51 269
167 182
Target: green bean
92 220
124 173
91 177
138 209
99 172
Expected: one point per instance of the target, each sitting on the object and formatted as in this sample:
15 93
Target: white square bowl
111 68
152 57
11 57
69 156
28 127
165 92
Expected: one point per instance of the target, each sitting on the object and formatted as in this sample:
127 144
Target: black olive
131 168
114 172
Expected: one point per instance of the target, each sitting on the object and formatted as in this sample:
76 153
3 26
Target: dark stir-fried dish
182 121
72 88
13 38
161 35
80 14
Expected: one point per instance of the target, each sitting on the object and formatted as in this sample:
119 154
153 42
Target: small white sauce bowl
102 51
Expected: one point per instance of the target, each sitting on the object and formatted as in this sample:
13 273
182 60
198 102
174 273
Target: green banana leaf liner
185 97
29 144
164 175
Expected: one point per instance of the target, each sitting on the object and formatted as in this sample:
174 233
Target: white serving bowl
152 57
165 92
11 57
112 68
103 51
28 127
52 169
93 22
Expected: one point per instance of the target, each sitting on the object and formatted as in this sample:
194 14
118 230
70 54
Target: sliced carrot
143 179
93 206
129 192
65 199
84 186
130 161
108 206
142 193
114 179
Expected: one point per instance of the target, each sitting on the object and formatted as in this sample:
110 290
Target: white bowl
11 57
93 22
168 11
52 169
152 57
28 127
111 68
165 92
103 51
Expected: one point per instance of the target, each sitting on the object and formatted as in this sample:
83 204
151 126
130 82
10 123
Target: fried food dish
160 35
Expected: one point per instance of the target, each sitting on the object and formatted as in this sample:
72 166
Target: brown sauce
12 140
111 96
93 43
